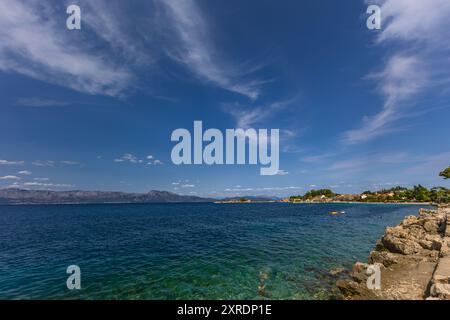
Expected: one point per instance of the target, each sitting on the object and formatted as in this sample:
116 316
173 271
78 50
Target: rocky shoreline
414 260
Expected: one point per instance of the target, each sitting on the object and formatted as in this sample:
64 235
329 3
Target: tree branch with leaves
445 173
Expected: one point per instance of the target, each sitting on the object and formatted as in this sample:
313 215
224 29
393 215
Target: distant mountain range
20 196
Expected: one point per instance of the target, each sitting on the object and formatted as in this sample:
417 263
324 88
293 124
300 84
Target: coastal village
417 194
335 198
397 195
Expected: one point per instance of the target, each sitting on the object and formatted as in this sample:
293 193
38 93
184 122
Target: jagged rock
441 291
359 277
437 245
447 230
348 288
426 244
445 249
401 245
415 259
386 258
359 272
360 267
431 244
427 212
432 227
415 232
337 272
410 221
442 273
434 256
379 246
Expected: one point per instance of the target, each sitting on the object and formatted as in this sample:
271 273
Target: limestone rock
414 258
348 288
398 244
384 257
441 291
431 244
432 227
410 221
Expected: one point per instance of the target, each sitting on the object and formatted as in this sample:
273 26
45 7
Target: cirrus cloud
419 31
9 178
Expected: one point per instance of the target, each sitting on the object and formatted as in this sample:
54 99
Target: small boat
336 213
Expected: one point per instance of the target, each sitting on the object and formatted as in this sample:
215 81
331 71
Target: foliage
314 194
445 174
418 193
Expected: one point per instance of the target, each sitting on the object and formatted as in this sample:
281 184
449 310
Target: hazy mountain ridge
21 196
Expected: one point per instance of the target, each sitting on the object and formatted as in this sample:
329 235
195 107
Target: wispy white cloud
110 52
53 163
11 163
194 49
40 102
419 30
128 157
25 173
106 19
35 44
402 78
44 163
70 163
152 161
14 185
282 173
131 158
249 116
425 21
9 178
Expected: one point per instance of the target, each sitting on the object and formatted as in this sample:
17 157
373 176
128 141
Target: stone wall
414 259
440 283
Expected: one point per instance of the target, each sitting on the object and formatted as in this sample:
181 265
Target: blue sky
94 109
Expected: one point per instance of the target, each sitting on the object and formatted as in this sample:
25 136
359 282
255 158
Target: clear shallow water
184 251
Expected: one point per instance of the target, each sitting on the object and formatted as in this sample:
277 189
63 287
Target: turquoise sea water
184 251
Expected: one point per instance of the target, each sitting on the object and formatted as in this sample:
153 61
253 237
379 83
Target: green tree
445 173
420 193
440 195
316 193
